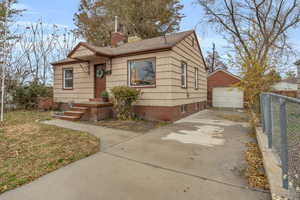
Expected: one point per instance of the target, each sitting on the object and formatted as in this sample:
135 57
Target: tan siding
191 55
168 91
83 86
151 96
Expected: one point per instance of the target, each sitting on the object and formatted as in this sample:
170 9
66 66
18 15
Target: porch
93 110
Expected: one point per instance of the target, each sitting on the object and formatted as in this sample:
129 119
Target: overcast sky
61 12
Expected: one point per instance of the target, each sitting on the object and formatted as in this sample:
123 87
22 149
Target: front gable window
141 73
68 78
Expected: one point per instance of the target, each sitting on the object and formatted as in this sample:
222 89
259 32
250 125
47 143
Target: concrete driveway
199 157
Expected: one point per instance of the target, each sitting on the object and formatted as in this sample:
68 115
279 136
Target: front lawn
29 149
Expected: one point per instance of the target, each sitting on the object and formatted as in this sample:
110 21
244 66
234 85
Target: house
170 70
298 64
286 87
221 92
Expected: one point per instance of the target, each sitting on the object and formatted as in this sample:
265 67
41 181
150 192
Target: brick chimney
117 38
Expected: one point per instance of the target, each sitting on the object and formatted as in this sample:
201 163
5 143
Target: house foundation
96 111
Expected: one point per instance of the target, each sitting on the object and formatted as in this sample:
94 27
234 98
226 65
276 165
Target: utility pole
6 5
213 58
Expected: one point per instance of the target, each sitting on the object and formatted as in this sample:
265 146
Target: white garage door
228 97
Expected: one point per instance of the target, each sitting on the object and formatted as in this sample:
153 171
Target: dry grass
139 126
255 170
234 117
29 149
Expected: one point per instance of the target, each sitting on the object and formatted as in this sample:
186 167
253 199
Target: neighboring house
298 64
170 70
221 92
286 85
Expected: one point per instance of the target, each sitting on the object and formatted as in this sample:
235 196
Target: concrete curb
272 167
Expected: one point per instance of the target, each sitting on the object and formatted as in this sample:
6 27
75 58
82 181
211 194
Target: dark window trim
63 78
193 42
185 86
128 71
196 87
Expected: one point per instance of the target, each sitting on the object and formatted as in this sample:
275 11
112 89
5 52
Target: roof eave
154 50
225 71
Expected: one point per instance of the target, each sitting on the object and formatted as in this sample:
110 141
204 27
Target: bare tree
214 61
42 44
257 29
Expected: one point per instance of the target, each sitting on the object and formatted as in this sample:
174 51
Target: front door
100 79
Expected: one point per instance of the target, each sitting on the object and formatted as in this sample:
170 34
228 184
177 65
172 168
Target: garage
227 97
221 91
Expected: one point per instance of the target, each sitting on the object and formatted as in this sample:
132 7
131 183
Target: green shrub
104 94
27 96
123 98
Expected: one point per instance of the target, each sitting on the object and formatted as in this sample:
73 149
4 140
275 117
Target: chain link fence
280 117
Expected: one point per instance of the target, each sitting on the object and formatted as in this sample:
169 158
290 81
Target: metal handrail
295 100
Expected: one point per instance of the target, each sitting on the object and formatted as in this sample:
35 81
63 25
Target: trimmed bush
27 97
123 98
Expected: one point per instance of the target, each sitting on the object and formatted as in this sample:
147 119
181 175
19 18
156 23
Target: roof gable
226 72
196 42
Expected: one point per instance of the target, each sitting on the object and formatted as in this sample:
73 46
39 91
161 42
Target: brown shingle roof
66 61
143 45
152 44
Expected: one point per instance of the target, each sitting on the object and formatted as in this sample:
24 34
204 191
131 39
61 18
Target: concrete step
77 108
68 118
96 100
74 113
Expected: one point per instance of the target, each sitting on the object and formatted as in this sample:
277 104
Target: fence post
268 120
284 143
262 113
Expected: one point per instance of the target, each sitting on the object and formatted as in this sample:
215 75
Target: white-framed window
196 78
68 78
142 73
183 74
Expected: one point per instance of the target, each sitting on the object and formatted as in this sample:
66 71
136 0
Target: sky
60 12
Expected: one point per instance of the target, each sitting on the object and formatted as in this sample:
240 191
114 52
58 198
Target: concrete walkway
199 157
109 137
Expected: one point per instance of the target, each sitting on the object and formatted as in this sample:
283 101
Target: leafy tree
8 16
94 19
